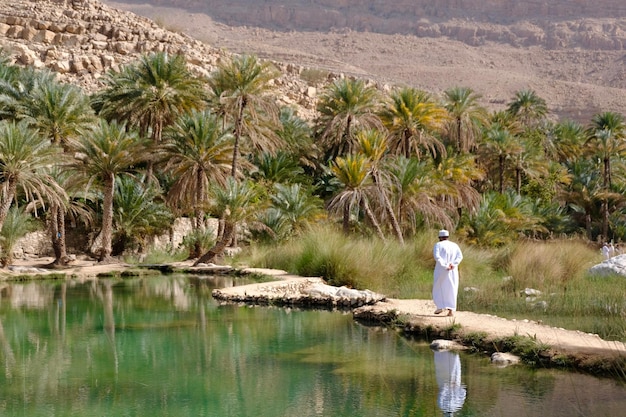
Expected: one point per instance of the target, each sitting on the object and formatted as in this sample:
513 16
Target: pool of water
162 346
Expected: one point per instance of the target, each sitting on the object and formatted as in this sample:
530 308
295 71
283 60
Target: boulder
613 266
503 359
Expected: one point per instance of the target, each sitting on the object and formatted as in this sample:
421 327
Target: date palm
17 86
458 174
467 117
244 85
354 173
110 151
197 153
292 209
297 137
16 225
373 145
25 161
346 106
60 112
569 139
139 214
414 121
419 194
585 193
150 94
501 145
607 145
527 107
233 202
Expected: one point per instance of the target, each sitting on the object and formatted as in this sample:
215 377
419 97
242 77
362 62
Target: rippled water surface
161 346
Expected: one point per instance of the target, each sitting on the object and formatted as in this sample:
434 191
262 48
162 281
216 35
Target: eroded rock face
552 24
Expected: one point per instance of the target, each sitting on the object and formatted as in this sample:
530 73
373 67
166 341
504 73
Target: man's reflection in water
448 373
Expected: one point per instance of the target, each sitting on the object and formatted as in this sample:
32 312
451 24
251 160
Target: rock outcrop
298 291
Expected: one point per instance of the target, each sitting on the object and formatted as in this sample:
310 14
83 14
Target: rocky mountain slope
82 39
570 53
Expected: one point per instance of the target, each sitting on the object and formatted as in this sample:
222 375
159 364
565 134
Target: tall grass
491 281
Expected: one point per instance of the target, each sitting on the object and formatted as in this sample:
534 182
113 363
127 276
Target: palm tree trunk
588 225
458 135
57 232
5 204
501 167
388 209
605 203
218 248
107 219
238 128
372 219
346 219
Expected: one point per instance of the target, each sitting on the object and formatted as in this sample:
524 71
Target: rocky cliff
553 24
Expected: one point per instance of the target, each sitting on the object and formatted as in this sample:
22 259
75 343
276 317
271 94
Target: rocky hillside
82 39
569 52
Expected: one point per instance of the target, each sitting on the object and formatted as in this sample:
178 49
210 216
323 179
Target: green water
161 346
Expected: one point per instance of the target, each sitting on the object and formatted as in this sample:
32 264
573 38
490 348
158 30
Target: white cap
443 233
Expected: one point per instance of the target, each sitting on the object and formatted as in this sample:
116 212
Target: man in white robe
448 256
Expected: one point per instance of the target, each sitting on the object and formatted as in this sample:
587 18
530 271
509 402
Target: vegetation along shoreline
349 188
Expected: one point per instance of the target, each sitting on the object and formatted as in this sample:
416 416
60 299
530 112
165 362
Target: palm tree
25 161
458 174
234 202
501 218
16 225
60 112
297 136
420 194
139 213
354 173
569 139
346 106
413 120
150 94
606 142
243 84
110 151
373 145
529 162
499 144
467 117
17 86
279 168
527 107
292 209
198 153
585 193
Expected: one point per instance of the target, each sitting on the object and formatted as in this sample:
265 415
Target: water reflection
162 346
452 392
